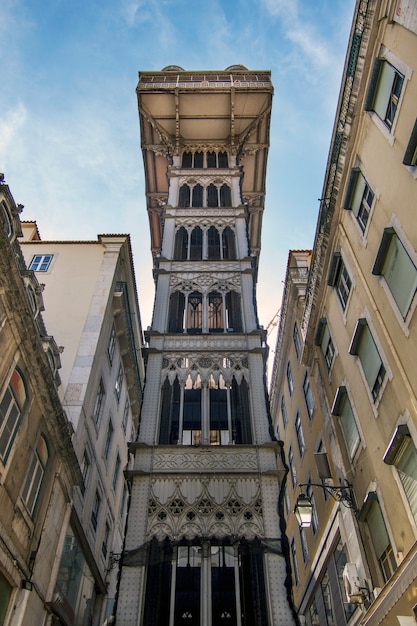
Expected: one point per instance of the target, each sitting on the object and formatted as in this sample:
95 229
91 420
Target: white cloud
314 48
287 9
12 122
135 11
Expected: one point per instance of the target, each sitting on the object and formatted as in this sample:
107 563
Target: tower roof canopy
205 110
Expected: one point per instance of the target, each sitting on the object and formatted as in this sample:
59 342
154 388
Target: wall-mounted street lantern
303 510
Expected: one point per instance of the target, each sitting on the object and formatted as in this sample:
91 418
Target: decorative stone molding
200 342
206 459
205 282
220 221
230 268
206 212
181 366
205 508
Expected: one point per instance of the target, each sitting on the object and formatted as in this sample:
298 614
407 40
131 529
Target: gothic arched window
222 159
211 159
191 432
195 312
170 410
187 160
228 244
36 472
181 245
233 312
212 196
215 312
11 409
184 196
219 415
213 241
225 196
196 244
176 312
241 426
197 196
198 159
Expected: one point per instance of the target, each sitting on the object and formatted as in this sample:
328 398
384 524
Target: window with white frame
363 346
402 454
85 466
384 91
371 514
324 340
12 405
290 379
111 346
284 413
293 470
339 279
277 432
308 395
359 197
295 569
343 410
105 542
123 501
410 155
340 559
297 340
99 402
35 475
108 440
328 599
395 265
116 472
313 614
119 382
299 434
41 262
304 545
125 415
95 510
287 500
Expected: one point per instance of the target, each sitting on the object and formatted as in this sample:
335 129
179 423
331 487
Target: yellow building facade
359 336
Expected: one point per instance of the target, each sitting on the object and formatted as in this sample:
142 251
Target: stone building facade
91 305
38 466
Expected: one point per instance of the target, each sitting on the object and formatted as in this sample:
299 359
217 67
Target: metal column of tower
203 543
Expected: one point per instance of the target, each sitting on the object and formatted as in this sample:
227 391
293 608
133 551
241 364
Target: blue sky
69 130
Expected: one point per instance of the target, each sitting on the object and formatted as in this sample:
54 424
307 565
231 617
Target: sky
69 128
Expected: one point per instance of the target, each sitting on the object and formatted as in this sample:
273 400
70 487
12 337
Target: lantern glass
303 511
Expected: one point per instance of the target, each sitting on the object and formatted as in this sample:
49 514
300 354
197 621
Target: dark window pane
198 196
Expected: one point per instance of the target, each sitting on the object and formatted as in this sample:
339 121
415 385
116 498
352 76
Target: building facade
91 305
301 420
358 328
38 466
204 542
